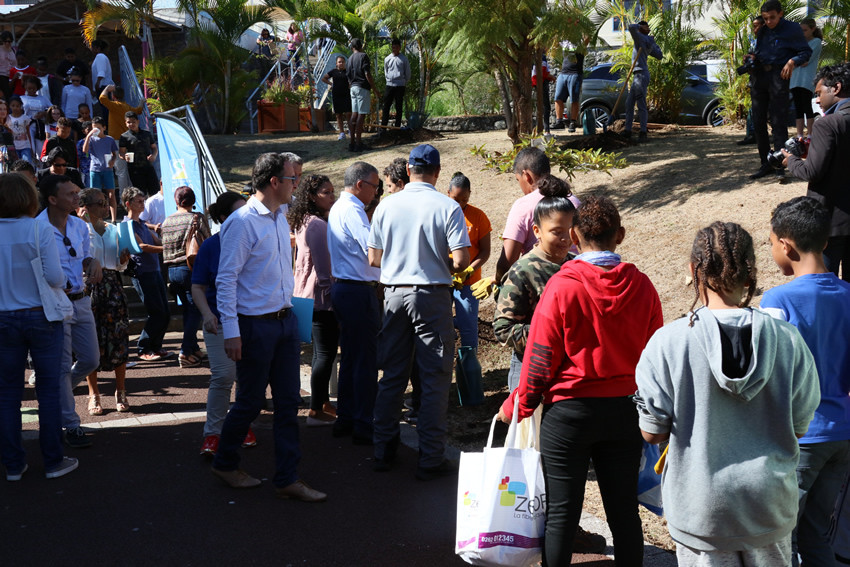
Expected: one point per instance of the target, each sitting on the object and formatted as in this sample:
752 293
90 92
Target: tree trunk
224 125
421 107
499 76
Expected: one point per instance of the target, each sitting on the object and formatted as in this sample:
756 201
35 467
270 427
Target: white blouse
105 248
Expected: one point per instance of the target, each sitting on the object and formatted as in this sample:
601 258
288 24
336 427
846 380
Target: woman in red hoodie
588 331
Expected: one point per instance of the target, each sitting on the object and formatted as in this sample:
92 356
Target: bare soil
678 182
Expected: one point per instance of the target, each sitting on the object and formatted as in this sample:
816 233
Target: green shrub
567 160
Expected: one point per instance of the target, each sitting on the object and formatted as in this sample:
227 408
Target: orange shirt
478 226
117 109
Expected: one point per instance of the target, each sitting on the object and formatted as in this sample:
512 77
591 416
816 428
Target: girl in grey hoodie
732 389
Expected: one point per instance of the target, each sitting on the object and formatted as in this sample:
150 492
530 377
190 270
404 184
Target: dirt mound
401 137
607 142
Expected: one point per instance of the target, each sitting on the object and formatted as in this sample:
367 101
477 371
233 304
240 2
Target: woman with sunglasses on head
108 303
222 369
308 218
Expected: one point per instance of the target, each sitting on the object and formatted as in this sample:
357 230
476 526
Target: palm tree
135 16
218 56
839 13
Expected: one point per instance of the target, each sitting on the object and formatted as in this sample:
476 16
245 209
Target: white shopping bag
501 505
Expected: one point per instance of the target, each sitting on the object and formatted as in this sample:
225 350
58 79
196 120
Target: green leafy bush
568 161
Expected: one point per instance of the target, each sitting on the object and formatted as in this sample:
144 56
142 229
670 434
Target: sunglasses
67 242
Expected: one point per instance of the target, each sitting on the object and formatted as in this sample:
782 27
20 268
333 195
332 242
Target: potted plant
278 109
306 117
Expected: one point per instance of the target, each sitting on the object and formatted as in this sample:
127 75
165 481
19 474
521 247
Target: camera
794 146
748 67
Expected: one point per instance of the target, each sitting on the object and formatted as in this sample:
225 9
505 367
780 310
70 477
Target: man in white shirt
62 198
101 75
154 213
355 303
412 233
255 284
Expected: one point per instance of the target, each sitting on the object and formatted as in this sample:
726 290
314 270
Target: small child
19 124
84 158
102 151
732 388
523 285
593 320
35 107
818 304
54 113
78 125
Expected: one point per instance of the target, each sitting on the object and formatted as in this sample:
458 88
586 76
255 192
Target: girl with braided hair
732 389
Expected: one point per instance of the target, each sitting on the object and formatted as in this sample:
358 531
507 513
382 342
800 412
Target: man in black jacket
826 167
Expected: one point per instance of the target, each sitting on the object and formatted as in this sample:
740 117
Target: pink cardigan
313 263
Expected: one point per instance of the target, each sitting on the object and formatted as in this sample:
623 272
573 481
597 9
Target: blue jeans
181 282
271 355
466 316
80 357
22 332
515 371
356 308
821 473
637 95
151 290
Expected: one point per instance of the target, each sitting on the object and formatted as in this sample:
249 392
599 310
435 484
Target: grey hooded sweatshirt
733 391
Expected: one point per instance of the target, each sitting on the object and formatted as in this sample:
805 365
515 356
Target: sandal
121 403
190 361
94 405
201 354
150 356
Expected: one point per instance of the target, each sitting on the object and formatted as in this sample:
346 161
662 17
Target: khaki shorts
360 100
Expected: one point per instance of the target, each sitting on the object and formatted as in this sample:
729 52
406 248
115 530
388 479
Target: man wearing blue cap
411 233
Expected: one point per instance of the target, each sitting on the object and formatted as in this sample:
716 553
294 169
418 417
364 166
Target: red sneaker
250 439
210 446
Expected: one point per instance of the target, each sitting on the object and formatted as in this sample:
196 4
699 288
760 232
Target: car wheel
715 116
600 114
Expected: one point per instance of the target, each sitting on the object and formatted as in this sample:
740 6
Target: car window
602 72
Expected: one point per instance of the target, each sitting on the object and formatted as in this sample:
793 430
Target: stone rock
500 125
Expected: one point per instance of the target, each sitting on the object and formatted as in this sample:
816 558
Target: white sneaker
341 136
67 465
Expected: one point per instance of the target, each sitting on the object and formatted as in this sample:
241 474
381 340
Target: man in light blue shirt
396 73
413 232
62 198
355 303
255 284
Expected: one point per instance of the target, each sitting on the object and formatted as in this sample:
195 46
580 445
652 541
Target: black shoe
746 141
763 170
572 126
77 438
385 463
588 542
445 468
342 429
627 134
560 124
642 137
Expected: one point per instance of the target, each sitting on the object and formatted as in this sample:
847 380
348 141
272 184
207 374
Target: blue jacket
786 41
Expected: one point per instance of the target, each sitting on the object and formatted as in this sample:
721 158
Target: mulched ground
400 137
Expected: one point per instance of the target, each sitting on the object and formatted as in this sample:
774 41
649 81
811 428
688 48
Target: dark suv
599 91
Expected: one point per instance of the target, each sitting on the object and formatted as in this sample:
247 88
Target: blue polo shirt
205 269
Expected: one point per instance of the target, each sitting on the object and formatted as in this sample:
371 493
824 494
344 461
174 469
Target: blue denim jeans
271 356
22 332
181 282
151 290
466 316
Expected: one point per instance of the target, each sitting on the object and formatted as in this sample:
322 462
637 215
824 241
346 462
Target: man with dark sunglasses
61 197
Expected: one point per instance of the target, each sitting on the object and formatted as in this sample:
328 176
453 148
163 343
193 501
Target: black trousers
144 178
393 95
837 254
573 432
325 342
770 94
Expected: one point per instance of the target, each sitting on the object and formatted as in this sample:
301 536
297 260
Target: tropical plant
135 17
279 90
568 161
171 82
218 58
838 14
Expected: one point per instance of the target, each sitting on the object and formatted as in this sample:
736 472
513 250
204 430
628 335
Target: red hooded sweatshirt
587 335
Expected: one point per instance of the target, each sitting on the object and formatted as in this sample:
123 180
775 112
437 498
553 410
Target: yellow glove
457 281
483 288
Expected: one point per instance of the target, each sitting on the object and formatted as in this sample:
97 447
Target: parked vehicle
700 102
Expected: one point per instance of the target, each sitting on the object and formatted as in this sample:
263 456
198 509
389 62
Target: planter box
277 117
321 119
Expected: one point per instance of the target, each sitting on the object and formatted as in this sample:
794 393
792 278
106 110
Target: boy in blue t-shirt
102 151
818 304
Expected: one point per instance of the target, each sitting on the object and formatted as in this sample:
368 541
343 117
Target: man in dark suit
826 167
